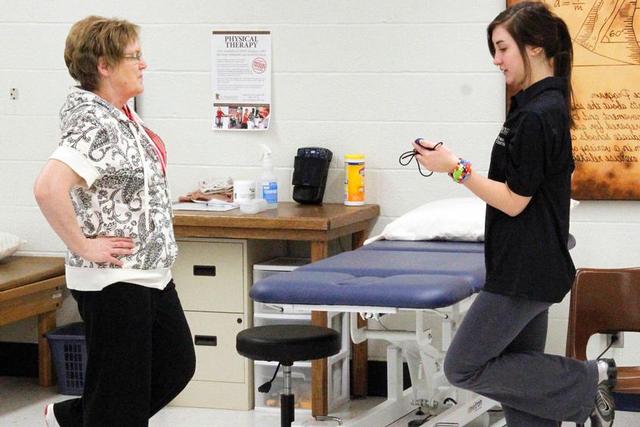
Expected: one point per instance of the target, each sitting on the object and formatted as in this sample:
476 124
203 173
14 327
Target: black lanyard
407 156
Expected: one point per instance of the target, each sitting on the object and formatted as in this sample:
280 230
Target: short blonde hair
92 38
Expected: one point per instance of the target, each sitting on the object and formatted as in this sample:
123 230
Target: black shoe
604 411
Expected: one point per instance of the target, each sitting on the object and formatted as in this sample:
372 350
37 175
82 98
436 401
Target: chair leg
287 412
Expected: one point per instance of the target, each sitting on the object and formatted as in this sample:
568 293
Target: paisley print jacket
126 193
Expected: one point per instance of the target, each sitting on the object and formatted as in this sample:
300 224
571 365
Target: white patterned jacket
126 193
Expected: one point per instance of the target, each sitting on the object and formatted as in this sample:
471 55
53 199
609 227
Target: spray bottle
268 180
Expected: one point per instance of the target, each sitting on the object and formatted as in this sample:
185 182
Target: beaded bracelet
461 172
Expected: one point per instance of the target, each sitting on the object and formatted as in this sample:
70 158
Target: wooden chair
605 301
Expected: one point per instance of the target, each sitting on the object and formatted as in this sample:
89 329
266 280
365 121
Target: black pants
140 356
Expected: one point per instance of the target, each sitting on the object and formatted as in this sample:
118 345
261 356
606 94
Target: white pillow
9 243
457 219
460 219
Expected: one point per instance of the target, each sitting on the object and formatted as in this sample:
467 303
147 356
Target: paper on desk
215 206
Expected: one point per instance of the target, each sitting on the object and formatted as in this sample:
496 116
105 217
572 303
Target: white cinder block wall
352 76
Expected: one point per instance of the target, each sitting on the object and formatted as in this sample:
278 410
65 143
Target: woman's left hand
438 160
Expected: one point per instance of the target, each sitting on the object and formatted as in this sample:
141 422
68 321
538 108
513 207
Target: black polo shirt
527 255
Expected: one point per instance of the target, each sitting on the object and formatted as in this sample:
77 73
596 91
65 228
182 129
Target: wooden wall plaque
606 85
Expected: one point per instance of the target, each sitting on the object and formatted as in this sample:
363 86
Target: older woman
104 192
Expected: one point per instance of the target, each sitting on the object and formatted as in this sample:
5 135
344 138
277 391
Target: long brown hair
533 24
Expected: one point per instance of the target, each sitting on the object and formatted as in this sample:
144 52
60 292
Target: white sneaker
50 417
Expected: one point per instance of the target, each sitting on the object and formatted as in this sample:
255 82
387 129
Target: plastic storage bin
69 353
338 365
300 386
269 268
337 383
283 319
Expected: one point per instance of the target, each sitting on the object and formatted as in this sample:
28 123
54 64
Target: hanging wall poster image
606 85
241 80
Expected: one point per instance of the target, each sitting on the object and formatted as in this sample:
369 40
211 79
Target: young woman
499 349
104 192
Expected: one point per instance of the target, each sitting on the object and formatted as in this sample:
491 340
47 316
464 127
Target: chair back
605 301
602 301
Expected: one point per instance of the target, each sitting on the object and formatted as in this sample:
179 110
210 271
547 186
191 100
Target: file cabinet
213 278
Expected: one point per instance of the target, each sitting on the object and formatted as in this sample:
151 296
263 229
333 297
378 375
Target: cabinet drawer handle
204 270
210 340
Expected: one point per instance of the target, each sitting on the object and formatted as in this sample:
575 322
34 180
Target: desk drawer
209 276
215 338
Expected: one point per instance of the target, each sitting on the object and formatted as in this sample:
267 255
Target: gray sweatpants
498 352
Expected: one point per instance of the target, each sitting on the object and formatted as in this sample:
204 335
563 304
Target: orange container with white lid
354 179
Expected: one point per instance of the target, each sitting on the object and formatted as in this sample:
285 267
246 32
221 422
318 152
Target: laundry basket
69 352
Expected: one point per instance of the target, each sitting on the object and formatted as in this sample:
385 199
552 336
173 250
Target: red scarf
158 144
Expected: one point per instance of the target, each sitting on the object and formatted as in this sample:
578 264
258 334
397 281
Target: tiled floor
22 402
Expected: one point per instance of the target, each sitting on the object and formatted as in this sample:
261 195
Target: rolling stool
286 344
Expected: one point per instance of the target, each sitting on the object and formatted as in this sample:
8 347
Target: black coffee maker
310 170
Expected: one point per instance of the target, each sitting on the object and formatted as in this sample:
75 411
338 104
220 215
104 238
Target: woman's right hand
106 249
433 157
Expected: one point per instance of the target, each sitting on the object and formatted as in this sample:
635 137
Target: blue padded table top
389 275
423 246
326 288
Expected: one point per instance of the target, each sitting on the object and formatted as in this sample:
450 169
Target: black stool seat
287 343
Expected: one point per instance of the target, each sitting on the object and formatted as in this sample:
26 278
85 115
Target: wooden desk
316 224
32 286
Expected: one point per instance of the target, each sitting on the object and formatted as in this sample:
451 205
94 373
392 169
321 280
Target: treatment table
433 280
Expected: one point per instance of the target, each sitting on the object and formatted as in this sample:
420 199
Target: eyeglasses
137 56
406 157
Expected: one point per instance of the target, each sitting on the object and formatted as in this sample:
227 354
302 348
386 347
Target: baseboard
18 359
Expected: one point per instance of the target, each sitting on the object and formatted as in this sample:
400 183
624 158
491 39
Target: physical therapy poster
241 80
606 85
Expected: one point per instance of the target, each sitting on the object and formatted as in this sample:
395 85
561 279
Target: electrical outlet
617 339
13 94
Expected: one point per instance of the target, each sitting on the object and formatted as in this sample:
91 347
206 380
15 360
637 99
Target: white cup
243 191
